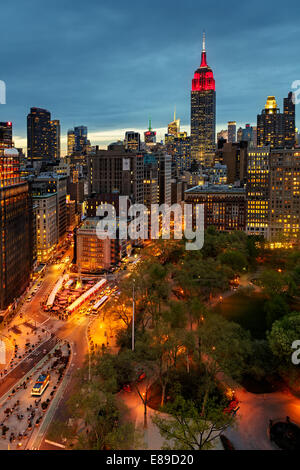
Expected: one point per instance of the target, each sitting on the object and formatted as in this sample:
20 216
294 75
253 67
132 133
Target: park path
251 430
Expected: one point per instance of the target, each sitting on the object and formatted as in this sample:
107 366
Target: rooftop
216 188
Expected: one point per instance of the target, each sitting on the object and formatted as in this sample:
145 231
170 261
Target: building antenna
203 42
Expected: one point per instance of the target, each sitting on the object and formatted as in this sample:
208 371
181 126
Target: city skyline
116 91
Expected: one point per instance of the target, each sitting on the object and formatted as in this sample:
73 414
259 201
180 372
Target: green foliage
283 333
187 429
275 308
272 282
235 259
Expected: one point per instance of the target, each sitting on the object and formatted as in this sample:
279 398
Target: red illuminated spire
203 78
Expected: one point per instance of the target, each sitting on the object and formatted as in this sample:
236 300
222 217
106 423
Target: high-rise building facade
284 195
55 139
203 112
231 131
150 135
6 135
289 121
71 141
132 141
164 178
39 134
46 225
16 256
174 126
117 170
234 156
224 206
275 128
258 192
43 136
52 183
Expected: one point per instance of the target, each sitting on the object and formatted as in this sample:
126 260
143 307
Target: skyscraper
275 128
258 192
150 135
289 121
81 140
203 111
55 138
5 135
39 134
270 125
232 131
15 229
71 141
43 135
174 126
132 140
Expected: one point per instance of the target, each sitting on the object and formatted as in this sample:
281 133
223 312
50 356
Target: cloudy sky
112 64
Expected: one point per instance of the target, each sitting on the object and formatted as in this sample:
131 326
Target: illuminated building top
271 105
203 78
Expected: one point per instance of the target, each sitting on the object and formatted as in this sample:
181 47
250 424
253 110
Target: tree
235 259
275 308
283 333
103 417
186 429
272 282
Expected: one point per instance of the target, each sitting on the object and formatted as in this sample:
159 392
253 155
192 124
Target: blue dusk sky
110 65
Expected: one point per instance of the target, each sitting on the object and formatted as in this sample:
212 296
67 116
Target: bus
40 385
100 302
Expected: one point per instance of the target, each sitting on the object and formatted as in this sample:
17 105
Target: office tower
180 149
247 134
231 131
150 135
16 247
174 126
6 135
274 128
284 203
164 177
151 189
75 187
224 206
81 140
71 142
234 155
51 183
39 142
239 134
55 139
71 213
116 170
132 141
258 191
203 112
289 121
270 125
46 225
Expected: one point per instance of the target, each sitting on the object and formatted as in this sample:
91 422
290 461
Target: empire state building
203 112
